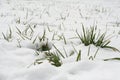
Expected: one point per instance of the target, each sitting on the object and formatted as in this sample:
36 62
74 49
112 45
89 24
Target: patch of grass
8 35
45 46
54 59
26 34
90 36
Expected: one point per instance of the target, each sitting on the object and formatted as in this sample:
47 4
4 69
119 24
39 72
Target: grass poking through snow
90 36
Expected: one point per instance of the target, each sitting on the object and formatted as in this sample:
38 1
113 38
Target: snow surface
63 17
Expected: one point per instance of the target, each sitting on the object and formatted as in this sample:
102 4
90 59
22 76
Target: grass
52 57
92 57
27 33
116 58
90 36
61 54
45 46
78 56
64 39
43 36
65 52
88 51
8 35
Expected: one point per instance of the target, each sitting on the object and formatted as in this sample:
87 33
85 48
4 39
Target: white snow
59 19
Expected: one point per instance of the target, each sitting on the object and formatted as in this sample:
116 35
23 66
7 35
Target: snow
58 20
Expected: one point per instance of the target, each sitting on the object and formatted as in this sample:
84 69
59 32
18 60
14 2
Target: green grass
90 36
44 47
61 54
54 59
78 56
8 35
116 58
64 39
27 33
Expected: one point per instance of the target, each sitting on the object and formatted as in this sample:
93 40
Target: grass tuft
90 36
54 59
8 35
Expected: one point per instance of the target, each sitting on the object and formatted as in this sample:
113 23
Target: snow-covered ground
23 22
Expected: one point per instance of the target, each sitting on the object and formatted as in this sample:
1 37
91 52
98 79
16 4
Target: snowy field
59 39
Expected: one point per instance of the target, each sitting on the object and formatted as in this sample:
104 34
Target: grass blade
79 56
58 51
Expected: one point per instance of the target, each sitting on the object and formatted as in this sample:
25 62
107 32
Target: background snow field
59 39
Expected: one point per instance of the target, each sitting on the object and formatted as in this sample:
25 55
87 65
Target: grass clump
90 36
45 46
54 59
27 33
8 35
